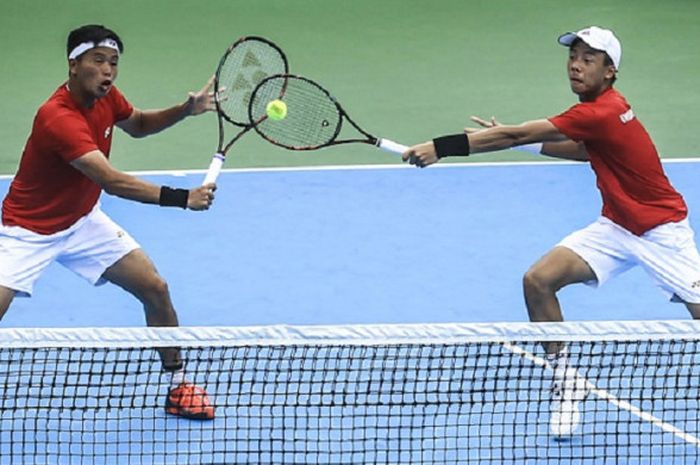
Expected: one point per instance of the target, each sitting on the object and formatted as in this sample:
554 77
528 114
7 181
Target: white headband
85 46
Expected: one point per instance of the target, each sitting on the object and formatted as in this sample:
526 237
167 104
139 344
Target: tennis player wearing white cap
643 220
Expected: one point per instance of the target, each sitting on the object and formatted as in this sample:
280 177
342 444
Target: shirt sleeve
578 123
121 107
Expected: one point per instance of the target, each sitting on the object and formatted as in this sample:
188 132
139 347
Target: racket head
246 63
314 117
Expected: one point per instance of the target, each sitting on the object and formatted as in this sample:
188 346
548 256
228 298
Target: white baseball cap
597 38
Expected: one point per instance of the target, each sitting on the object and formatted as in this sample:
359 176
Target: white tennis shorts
88 248
667 253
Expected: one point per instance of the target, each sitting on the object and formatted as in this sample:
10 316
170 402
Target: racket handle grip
217 161
391 146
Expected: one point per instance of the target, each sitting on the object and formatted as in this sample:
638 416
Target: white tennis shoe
568 391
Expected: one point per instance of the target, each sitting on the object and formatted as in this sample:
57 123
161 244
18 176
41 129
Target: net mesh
312 120
248 63
423 394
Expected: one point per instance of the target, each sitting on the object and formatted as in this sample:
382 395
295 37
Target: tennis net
385 394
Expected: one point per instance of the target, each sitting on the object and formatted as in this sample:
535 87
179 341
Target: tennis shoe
568 391
189 401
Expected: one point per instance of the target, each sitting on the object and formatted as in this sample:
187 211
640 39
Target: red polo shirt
47 194
636 193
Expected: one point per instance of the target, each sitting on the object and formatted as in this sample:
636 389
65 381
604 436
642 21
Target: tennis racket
246 63
314 118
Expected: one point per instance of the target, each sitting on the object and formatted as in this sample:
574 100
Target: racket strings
247 64
312 119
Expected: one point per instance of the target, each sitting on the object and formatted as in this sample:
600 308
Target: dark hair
91 33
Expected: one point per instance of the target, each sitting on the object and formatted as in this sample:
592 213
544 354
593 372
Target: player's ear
72 65
610 72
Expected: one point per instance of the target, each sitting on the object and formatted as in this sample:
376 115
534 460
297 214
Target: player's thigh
95 245
134 272
603 247
6 296
24 256
668 253
694 310
130 270
559 267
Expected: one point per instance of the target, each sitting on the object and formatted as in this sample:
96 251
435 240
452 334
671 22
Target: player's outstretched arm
95 166
491 139
501 137
567 149
143 123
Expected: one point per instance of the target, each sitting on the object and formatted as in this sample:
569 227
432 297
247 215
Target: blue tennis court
377 245
361 246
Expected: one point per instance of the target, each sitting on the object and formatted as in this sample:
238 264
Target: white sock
559 362
177 378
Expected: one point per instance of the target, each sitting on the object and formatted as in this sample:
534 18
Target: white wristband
535 148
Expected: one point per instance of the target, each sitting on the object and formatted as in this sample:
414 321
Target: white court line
510 164
605 395
389 167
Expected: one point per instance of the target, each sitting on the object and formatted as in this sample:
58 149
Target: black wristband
170 197
454 144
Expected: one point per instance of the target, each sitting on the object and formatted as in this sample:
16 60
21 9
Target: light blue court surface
336 246
381 245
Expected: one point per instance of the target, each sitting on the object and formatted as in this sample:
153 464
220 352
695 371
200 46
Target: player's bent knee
535 282
158 287
153 290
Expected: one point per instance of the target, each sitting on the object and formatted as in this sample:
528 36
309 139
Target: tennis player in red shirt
643 221
52 213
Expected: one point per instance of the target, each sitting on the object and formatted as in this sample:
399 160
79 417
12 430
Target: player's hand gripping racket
310 118
246 63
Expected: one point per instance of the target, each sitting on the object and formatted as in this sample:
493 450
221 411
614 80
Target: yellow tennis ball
276 110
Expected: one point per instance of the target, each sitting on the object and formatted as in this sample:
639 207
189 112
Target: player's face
588 73
95 72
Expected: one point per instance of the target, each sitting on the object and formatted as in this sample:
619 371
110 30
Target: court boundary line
384 167
272 169
611 398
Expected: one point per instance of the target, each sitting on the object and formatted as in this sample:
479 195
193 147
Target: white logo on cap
599 39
